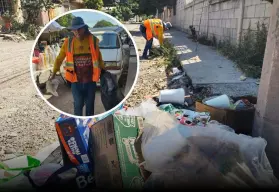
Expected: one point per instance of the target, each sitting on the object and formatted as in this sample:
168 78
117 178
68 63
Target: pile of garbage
179 155
154 146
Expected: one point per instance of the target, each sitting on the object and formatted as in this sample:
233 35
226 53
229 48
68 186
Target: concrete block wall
224 19
256 11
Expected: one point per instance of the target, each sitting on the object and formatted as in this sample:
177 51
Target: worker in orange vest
83 65
151 28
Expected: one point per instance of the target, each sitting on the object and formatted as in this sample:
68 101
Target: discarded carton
240 120
113 152
73 136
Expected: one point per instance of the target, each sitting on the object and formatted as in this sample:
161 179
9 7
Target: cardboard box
116 162
73 136
240 120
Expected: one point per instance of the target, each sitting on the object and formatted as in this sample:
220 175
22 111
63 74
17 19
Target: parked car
112 44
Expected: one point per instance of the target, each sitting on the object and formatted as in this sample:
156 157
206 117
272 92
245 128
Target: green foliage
125 11
204 40
167 51
34 7
7 15
65 20
249 53
103 23
16 26
94 4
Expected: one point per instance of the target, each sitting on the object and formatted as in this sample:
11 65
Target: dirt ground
152 77
26 121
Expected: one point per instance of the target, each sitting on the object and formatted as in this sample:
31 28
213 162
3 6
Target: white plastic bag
51 87
142 110
156 43
198 153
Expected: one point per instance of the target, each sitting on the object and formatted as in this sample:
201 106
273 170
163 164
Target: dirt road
26 121
152 77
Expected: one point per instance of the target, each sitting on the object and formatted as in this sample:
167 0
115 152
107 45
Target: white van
112 45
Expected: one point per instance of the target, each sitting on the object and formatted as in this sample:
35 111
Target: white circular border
129 93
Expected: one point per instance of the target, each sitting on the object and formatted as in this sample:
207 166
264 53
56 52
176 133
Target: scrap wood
11 37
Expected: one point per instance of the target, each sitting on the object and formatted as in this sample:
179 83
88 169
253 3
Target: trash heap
154 146
201 153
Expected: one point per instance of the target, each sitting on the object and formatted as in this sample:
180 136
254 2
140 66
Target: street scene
203 112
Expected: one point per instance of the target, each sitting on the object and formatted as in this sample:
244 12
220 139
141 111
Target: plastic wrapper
216 124
142 110
110 93
156 43
12 175
51 87
193 156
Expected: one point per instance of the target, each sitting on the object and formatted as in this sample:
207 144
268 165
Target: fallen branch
12 37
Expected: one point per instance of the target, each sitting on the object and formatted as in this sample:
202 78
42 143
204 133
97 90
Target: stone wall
225 19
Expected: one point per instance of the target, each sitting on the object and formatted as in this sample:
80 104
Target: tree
103 23
65 20
94 4
34 7
125 11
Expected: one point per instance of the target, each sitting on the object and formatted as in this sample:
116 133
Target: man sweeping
83 65
151 28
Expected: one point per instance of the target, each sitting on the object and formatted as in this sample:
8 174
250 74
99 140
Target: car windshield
108 41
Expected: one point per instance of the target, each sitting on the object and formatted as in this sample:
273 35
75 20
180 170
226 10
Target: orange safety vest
70 74
151 27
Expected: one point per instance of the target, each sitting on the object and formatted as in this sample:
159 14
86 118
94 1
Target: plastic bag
12 173
156 43
51 87
198 154
142 110
110 93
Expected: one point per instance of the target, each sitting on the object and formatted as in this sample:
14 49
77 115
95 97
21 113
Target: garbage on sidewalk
74 135
115 158
181 156
238 113
187 117
109 150
154 146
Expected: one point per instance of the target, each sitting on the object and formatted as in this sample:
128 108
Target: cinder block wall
225 19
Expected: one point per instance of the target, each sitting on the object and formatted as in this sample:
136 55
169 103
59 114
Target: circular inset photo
84 64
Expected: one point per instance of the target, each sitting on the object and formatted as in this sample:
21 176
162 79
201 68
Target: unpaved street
26 121
152 76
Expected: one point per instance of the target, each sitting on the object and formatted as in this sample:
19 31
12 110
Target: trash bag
51 87
208 156
111 96
69 178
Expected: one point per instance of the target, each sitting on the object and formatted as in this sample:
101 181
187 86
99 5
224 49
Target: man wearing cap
83 65
151 28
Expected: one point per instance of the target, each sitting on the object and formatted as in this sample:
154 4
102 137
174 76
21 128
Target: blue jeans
148 44
84 93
